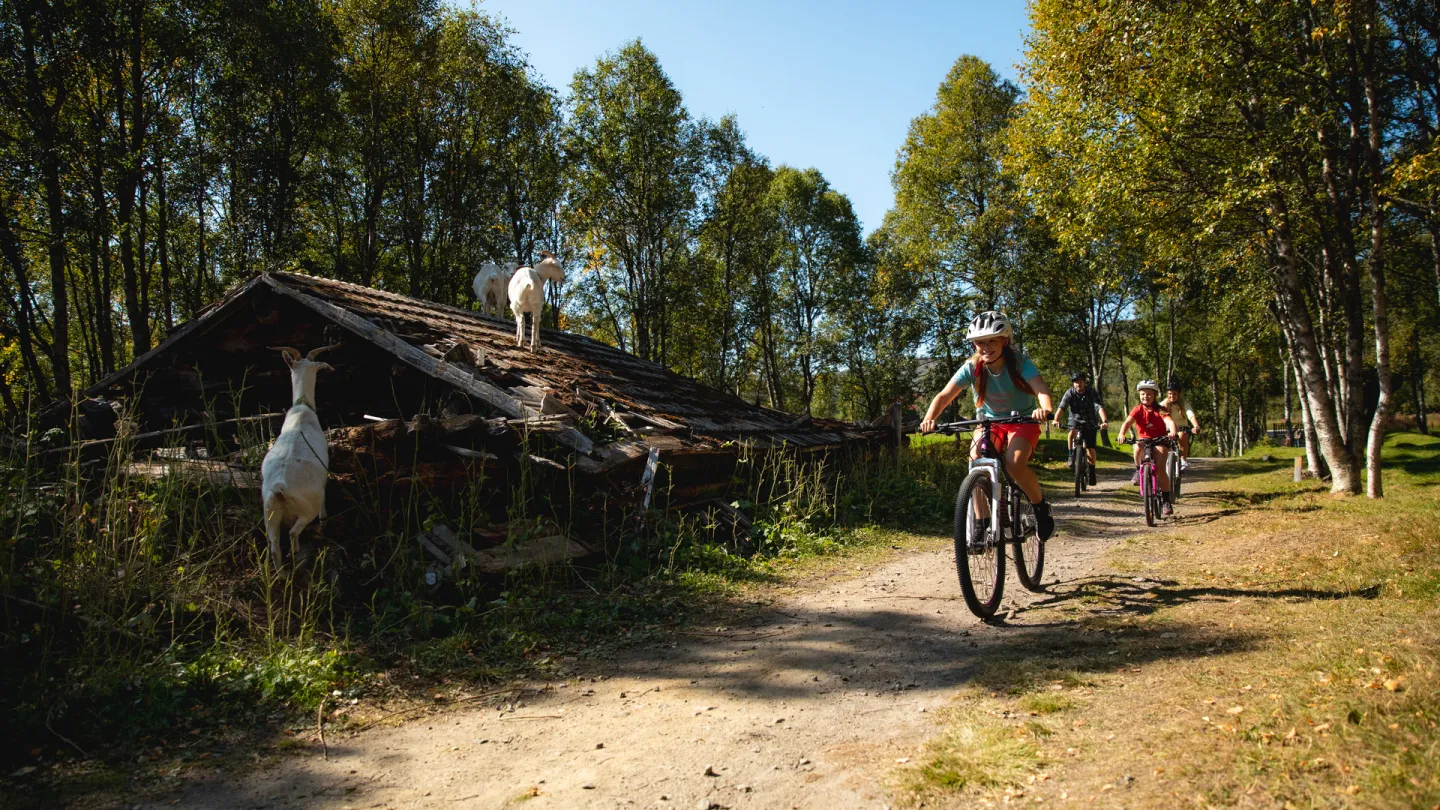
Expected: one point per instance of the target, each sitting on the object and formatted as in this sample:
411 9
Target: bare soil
814 700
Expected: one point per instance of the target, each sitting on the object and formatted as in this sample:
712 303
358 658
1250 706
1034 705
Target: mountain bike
1084 470
990 513
1150 481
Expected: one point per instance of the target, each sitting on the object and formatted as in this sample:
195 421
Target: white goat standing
527 294
294 472
492 282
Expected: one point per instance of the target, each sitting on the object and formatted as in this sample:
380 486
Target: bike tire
1029 548
1177 476
1147 488
982 575
1079 470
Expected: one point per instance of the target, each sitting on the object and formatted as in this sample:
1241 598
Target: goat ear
291 356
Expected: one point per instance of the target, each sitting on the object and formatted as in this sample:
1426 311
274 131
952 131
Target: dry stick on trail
320 726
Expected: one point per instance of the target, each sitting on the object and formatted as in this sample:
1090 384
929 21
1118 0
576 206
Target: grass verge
1275 647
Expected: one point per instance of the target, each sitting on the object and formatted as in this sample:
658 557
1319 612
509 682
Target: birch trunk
1344 471
1375 445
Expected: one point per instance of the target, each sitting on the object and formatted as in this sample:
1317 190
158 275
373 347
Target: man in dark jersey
1083 404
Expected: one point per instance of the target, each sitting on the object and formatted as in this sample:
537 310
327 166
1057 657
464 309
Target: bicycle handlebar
955 427
1154 441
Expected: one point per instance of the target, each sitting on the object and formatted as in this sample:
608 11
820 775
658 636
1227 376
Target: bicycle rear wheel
1147 492
979 553
1029 548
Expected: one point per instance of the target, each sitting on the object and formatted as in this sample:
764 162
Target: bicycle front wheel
1177 474
1080 473
1029 548
979 554
1147 493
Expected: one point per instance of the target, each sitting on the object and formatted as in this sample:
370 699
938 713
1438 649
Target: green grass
1046 703
973 754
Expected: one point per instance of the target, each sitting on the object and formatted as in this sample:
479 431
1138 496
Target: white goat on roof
294 472
491 283
527 294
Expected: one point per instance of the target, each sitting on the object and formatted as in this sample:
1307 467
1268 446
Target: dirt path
808 706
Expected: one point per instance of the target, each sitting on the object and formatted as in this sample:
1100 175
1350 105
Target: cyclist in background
1005 381
1183 416
1151 422
1083 402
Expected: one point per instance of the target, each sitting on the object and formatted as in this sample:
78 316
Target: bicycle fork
997 503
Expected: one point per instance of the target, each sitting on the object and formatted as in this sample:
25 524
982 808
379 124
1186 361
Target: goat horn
314 353
286 350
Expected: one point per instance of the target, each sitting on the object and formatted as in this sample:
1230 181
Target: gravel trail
809 705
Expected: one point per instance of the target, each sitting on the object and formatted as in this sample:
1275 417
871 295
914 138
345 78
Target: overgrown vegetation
138 607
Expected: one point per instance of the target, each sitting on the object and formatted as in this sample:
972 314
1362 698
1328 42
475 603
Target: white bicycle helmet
1150 384
989 324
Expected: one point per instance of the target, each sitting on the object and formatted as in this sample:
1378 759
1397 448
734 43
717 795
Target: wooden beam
101 448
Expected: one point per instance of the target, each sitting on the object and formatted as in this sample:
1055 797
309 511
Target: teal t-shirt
1001 395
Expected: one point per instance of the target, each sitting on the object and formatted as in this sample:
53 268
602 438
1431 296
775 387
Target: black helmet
1080 375
1174 384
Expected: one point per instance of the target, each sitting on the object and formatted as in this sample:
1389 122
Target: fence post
899 430
1298 474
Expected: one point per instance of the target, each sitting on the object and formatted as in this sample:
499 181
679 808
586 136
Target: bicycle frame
1149 478
991 462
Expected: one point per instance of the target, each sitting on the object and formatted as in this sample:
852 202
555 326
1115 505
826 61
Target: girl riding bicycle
1005 381
1151 421
1183 416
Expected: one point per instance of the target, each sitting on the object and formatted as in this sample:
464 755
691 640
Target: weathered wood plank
225 431
545 551
215 312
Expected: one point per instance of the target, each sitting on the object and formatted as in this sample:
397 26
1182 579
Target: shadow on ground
1141 596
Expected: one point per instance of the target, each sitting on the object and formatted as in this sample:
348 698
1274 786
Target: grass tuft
972 755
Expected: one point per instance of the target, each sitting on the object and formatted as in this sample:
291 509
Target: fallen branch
67 740
320 725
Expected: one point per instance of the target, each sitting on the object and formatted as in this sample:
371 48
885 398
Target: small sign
647 480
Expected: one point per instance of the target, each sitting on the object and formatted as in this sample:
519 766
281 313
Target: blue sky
826 84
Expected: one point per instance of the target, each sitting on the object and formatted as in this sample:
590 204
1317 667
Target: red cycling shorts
1000 435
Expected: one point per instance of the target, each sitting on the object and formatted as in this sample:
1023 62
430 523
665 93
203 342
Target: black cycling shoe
1092 475
1044 521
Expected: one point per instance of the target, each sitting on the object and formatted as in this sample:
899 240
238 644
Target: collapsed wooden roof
224 353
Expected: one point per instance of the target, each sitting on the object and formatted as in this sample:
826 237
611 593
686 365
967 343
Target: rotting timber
434 400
